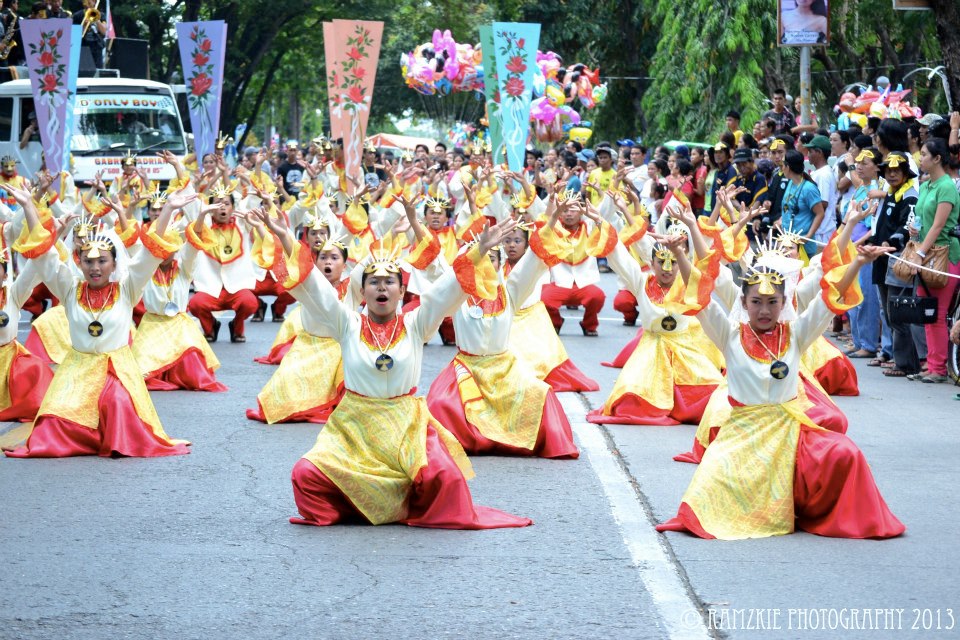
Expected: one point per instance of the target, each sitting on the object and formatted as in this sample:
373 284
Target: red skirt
568 377
120 432
554 439
28 379
439 497
276 353
838 377
626 352
834 493
188 372
35 346
689 403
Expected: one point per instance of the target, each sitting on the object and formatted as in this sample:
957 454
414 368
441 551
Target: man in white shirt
818 151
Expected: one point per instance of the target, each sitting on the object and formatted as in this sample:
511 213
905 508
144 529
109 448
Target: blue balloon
539 83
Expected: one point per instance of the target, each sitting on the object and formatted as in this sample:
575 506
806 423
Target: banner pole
805 85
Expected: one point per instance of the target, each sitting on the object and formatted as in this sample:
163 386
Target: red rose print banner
53 79
202 49
352 49
515 45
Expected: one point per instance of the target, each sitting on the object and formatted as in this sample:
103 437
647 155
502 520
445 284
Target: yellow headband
894 162
158 198
384 264
768 281
333 245
94 246
316 223
866 153
437 205
665 256
219 191
776 144
86 227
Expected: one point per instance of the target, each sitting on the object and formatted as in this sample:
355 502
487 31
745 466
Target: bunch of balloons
459 135
442 65
555 88
874 104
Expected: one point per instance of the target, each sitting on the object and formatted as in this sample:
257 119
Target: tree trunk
258 103
947 14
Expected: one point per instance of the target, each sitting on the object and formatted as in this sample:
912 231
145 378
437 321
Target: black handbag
913 309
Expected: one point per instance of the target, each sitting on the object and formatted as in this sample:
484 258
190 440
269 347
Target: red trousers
34 303
270 287
591 297
202 306
626 303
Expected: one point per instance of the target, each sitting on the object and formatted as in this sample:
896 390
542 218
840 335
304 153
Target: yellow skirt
54 332
162 340
743 487
290 329
664 360
535 342
500 398
74 393
373 449
309 376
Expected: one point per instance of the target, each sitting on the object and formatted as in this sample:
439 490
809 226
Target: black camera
955 232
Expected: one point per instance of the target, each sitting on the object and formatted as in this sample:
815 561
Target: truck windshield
137 121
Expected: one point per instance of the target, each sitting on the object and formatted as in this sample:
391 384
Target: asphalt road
199 546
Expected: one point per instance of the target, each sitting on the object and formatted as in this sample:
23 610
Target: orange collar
97 300
768 343
376 336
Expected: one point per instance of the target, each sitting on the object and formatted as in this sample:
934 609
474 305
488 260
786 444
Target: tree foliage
673 68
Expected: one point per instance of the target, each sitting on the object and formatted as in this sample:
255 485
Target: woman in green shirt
938 211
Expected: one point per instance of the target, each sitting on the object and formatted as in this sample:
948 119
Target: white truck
112 117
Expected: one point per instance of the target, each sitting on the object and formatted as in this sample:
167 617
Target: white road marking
679 612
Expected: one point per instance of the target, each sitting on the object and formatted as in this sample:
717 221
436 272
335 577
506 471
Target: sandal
212 337
233 336
933 378
888 365
879 361
895 373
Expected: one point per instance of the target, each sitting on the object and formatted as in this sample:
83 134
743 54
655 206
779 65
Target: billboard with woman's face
803 22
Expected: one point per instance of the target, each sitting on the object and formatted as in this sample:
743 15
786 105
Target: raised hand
491 236
179 201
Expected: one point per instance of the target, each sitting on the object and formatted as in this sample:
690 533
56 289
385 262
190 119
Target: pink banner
202 49
47 43
352 50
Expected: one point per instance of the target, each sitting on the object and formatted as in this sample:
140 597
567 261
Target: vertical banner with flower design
202 49
515 45
491 92
352 49
51 65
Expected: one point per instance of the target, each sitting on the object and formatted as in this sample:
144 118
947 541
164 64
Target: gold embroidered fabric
743 487
309 376
373 449
54 332
74 393
161 340
500 398
534 341
663 360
